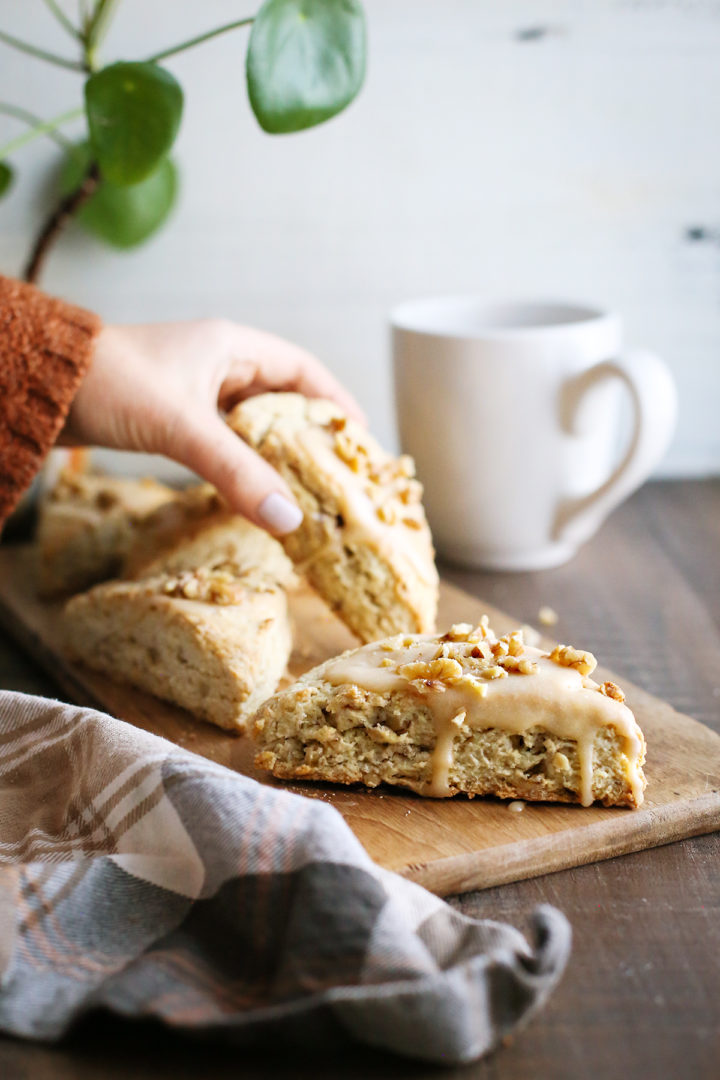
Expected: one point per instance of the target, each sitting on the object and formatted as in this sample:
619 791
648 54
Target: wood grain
448 846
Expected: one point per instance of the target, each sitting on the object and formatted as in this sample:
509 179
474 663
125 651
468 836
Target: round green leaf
122 216
7 176
305 61
133 113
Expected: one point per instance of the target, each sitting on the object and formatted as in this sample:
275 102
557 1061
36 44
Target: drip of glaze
443 756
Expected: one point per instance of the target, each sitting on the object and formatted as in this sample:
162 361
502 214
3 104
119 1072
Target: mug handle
654 400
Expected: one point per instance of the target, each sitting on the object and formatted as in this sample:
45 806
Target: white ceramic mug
512 413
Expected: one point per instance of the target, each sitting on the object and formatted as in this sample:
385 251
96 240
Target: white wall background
513 149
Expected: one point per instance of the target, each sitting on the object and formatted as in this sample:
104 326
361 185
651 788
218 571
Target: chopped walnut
218 587
185 584
612 691
474 686
459 719
519 665
547 616
442 669
494 672
567 656
458 632
482 631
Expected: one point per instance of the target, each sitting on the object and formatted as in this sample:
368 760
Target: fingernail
279 514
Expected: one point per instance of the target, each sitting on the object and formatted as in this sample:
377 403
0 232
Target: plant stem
56 222
33 50
43 128
30 118
199 39
97 27
62 18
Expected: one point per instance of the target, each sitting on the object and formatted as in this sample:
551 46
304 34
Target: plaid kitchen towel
140 878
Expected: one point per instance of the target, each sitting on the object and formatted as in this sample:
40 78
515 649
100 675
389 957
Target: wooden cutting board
449 845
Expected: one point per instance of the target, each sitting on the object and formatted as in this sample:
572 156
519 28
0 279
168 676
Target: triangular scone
86 525
198 530
466 712
210 641
364 543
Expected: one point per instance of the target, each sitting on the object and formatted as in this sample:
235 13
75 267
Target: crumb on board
516 806
547 616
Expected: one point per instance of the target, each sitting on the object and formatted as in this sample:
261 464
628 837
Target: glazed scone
364 543
210 641
198 530
86 525
465 712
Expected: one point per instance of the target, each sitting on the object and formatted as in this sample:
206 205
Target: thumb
248 484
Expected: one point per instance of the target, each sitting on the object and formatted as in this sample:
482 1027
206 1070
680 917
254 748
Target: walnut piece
494 672
442 669
208 586
547 616
518 664
567 656
609 689
459 632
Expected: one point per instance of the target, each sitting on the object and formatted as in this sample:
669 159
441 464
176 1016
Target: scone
465 712
212 642
86 526
364 543
198 530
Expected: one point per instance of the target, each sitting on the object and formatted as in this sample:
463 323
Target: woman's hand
158 388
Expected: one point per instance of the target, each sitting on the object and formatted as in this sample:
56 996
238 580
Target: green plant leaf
133 113
7 175
305 61
122 216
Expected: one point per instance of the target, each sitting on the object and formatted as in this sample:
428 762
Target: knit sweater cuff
45 350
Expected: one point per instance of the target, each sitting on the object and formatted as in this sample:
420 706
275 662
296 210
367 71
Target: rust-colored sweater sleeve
45 350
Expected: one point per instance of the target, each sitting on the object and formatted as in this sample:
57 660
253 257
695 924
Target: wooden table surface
641 996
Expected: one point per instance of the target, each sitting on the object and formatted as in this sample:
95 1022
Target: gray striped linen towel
139 878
